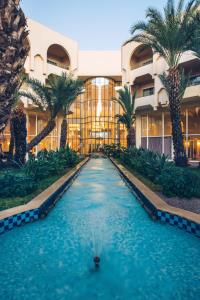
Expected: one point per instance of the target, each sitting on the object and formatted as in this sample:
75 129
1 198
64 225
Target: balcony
145 102
57 69
192 93
141 72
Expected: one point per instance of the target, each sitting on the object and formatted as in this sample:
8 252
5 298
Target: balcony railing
144 101
194 81
142 71
57 64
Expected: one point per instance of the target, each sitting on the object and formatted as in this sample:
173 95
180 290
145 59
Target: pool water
52 259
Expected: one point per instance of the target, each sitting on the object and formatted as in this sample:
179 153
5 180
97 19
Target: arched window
58 56
141 56
38 65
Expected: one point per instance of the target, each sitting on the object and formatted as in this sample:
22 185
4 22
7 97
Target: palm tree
169 34
127 102
73 88
49 100
13 52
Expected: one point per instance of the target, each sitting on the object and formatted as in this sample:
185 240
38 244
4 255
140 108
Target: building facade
140 70
92 122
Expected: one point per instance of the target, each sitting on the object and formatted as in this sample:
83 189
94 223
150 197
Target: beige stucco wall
40 39
100 63
82 63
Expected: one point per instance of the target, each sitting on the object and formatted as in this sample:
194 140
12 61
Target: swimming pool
98 215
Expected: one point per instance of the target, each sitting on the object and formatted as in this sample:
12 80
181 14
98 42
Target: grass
10 202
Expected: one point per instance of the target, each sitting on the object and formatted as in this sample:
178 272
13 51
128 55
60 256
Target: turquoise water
52 259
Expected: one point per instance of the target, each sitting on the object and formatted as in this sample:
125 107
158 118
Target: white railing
52 69
145 101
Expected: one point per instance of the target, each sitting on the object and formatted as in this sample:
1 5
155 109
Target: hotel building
92 122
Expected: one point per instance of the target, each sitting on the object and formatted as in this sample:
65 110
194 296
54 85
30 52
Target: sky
94 24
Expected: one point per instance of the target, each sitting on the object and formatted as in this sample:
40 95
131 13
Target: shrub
145 162
50 163
112 150
175 181
180 182
15 185
46 164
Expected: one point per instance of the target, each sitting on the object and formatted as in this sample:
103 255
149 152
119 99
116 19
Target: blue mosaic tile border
180 222
162 216
18 220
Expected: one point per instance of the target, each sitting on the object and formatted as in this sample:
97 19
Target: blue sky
96 25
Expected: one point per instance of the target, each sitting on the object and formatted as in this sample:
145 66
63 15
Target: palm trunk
20 134
180 157
63 134
14 50
131 137
45 132
12 141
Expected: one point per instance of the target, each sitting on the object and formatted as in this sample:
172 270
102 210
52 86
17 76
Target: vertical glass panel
144 125
194 120
168 124
155 124
31 124
194 147
155 144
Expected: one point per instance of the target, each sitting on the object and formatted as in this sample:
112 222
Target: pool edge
158 208
39 206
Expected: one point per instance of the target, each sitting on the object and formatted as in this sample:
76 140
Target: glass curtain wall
92 122
156 132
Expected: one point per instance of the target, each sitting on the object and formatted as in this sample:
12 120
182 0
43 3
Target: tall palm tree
73 88
13 52
127 102
49 100
169 34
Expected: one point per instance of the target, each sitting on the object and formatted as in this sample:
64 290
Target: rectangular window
148 92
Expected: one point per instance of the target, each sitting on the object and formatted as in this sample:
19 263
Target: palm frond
127 102
170 33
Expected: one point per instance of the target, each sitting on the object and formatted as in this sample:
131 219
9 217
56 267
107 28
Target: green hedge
174 181
16 185
45 165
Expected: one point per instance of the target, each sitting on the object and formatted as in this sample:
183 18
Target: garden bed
192 204
10 202
22 184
